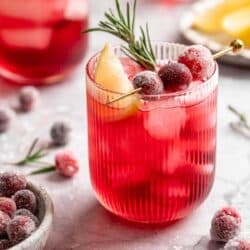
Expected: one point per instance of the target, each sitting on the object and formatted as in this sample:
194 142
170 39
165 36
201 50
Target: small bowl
39 238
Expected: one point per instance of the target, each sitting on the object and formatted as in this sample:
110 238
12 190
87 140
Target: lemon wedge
211 19
110 73
112 77
237 24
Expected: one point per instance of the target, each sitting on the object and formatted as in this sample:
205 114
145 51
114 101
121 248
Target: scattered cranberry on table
28 99
5 120
60 133
66 163
237 244
225 225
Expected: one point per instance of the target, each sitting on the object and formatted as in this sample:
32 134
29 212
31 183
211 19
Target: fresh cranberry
20 228
4 244
11 183
237 244
175 76
60 133
7 205
149 82
5 120
225 224
199 60
28 98
66 163
25 199
4 221
27 212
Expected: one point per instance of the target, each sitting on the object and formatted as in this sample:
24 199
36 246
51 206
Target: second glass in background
41 40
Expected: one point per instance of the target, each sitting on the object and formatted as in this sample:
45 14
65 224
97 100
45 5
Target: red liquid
155 164
40 40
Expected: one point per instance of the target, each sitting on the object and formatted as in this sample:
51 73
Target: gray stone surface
80 222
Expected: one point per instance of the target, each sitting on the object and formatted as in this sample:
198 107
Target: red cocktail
40 40
152 157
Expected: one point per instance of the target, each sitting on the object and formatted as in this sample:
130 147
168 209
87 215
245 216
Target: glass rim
184 92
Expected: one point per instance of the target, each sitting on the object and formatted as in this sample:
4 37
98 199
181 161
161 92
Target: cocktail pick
235 46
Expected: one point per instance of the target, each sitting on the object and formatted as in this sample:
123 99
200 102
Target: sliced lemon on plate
111 76
237 24
211 19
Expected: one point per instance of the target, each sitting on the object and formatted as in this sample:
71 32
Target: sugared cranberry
199 60
225 224
25 199
4 221
5 120
4 244
7 205
60 133
149 82
237 244
20 228
26 212
28 98
11 183
175 76
66 163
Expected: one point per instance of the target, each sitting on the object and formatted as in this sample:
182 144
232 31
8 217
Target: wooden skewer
235 47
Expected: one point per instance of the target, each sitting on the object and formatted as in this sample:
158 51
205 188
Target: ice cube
173 159
76 9
165 123
38 38
41 11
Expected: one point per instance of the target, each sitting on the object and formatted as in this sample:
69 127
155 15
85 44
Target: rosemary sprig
43 170
242 117
32 155
122 26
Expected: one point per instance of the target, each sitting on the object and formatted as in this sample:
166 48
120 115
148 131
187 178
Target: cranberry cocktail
152 153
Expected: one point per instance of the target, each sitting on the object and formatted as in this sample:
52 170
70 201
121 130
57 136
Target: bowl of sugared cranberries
26 213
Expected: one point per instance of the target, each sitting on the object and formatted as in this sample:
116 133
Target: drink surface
153 162
40 39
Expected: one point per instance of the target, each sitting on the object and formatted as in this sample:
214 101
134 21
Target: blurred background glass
40 40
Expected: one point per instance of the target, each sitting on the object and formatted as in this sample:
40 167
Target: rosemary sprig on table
242 126
33 155
122 26
242 117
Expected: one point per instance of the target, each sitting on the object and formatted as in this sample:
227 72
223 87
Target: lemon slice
237 24
211 19
112 77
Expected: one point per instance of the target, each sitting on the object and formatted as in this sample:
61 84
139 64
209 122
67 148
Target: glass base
152 221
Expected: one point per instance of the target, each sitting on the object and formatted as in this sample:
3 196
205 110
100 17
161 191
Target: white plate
214 42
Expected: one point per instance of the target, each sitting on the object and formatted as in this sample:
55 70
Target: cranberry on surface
60 133
237 244
66 163
27 99
225 224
